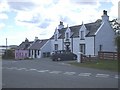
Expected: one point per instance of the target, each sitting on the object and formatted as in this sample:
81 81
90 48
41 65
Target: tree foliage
9 54
116 27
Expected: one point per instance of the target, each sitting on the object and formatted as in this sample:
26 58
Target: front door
82 48
35 54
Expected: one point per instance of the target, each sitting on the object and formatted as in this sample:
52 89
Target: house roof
93 27
75 30
38 44
62 33
24 45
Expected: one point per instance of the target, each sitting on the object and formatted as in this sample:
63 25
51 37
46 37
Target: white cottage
40 48
86 38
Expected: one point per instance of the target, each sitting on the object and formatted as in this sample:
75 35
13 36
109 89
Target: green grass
111 65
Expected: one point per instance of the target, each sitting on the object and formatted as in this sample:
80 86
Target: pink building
22 50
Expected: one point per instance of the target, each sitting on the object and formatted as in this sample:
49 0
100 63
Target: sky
39 18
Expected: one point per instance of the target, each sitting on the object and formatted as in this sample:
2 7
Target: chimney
105 17
60 26
36 38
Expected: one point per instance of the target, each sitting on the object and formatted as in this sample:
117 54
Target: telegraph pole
6 47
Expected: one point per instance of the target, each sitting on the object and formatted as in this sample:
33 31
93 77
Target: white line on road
116 76
65 64
84 74
33 69
42 70
55 72
11 68
22 69
102 75
69 73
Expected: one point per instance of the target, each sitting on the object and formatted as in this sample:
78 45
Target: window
38 52
82 35
32 52
82 48
67 35
29 53
56 47
55 37
100 47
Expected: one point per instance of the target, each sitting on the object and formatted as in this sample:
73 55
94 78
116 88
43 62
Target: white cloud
41 17
4 7
2 25
3 16
114 9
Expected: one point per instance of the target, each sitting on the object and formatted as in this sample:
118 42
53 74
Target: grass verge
111 65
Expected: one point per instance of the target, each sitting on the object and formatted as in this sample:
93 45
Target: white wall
76 45
46 47
105 37
89 41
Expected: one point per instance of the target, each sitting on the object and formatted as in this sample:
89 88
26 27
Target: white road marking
22 69
11 68
84 74
65 64
33 69
102 75
55 72
116 76
42 70
69 73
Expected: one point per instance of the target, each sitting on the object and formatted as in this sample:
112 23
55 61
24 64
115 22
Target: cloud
3 16
114 9
4 7
2 25
41 17
21 5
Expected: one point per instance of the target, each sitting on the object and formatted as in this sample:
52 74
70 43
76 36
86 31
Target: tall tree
116 27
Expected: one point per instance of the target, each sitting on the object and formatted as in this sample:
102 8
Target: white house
39 48
86 38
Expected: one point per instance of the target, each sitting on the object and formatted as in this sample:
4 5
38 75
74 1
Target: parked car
63 55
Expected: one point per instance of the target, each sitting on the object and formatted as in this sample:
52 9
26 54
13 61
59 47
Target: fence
108 55
101 55
85 58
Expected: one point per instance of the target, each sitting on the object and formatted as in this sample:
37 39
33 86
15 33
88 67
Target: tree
116 27
9 54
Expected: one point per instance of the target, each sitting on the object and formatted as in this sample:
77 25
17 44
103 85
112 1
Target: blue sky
31 18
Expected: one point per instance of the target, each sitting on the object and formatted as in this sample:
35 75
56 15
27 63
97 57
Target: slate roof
62 33
92 27
24 45
38 44
75 30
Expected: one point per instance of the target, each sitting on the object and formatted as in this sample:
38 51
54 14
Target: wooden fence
101 55
107 55
87 58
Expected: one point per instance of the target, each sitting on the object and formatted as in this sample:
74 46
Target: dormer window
82 35
67 35
55 37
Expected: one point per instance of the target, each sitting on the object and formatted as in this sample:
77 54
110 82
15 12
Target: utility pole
6 47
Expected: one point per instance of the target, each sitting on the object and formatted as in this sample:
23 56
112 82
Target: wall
105 37
89 41
21 54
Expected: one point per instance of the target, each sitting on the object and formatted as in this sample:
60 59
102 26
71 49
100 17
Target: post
6 48
79 57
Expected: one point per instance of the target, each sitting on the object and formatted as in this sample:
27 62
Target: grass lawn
111 65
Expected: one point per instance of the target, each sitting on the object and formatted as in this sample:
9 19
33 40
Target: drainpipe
94 45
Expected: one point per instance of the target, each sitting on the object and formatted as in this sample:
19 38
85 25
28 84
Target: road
44 73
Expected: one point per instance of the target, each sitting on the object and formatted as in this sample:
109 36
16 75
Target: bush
9 54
